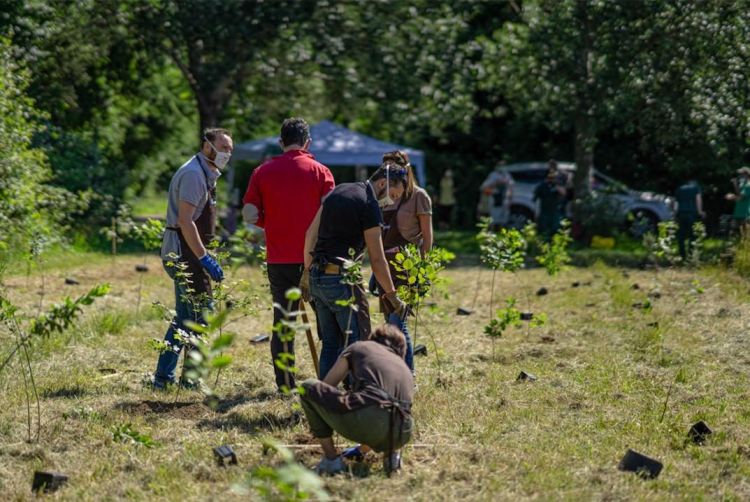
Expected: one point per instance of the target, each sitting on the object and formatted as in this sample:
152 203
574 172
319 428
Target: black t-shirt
349 210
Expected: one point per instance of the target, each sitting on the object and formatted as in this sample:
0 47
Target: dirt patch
188 410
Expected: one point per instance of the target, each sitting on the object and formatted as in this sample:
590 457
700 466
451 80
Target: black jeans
282 277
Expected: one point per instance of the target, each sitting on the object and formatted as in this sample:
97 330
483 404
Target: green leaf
221 361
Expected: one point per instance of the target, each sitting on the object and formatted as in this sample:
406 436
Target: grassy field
605 369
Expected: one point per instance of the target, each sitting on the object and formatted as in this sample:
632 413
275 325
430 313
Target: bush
31 211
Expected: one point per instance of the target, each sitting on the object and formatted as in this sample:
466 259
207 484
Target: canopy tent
334 145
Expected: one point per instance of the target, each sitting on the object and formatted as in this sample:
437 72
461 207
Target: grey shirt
190 183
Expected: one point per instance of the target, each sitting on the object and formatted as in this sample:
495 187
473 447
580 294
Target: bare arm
338 372
425 225
699 203
189 231
374 242
311 238
250 214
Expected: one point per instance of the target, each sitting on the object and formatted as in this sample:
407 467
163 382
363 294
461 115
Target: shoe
392 462
189 384
156 384
330 467
354 453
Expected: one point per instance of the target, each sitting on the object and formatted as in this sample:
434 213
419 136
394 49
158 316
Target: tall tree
216 45
586 64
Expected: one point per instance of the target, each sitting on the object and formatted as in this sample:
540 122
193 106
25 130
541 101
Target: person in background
689 209
348 221
191 225
377 410
498 186
283 196
446 200
551 195
741 198
408 220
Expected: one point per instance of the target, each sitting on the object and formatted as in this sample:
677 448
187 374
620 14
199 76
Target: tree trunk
585 140
209 111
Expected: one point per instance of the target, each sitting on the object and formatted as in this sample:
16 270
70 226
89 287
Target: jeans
283 277
402 324
185 310
685 234
333 320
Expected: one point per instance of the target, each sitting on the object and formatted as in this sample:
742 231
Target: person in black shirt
349 219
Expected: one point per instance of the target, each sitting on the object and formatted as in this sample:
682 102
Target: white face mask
222 158
386 200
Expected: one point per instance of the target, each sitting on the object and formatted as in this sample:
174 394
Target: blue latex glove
212 267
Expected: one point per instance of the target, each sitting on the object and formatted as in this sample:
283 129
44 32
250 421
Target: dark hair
211 133
390 336
397 162
294 131
552 164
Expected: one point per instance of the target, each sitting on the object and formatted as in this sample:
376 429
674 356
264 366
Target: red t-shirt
287 191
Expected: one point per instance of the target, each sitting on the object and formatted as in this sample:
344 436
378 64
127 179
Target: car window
529 176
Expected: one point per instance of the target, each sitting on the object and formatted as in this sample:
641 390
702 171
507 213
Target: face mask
222 158
386 200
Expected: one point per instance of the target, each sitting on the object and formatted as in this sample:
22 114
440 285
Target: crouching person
376 412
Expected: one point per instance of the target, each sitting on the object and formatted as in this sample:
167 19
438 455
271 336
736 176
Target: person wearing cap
283 196
689 210
191 224
349 220
551 196
741 198
498 187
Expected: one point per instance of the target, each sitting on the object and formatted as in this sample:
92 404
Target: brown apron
393 241
206 225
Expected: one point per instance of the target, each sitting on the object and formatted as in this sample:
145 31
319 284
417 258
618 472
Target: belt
332 269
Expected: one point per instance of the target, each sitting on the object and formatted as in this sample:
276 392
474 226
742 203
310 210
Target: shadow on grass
264 423
179 409
65 392
231 402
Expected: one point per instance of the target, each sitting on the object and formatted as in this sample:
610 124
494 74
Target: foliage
149 233
554 255
697 248
420 271
503 251
662 247
505 318
27 330
125 433
287 329
287 481
741 260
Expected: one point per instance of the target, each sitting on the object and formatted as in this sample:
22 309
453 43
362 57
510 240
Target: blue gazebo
335 145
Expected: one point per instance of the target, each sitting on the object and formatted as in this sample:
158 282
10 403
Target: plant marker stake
224 452
699 432
48 481
260 338
527 316
420 350
526 377
642 465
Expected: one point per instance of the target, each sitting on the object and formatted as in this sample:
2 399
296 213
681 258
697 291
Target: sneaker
330 467
392 462
153 383
354 453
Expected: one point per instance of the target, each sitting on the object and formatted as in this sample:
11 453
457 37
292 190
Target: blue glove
212 267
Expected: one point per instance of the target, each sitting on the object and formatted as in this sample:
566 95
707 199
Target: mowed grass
604 371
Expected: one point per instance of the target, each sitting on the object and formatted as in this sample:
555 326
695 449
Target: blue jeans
402 324
185 310
333 320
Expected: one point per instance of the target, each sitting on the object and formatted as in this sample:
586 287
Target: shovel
310 340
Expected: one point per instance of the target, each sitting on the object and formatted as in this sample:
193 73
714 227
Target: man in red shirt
283 196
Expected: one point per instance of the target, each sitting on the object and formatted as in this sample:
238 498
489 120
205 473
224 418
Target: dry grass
604 368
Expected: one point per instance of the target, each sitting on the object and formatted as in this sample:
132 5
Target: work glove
304 285
394 305
212 267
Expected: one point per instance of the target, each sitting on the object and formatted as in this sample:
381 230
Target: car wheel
642 222
519 218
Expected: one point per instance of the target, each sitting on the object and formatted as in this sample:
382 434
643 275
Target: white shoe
330 467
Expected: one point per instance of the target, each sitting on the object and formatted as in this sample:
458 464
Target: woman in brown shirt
408 220
377 410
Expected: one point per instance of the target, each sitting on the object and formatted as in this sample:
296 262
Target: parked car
641 211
